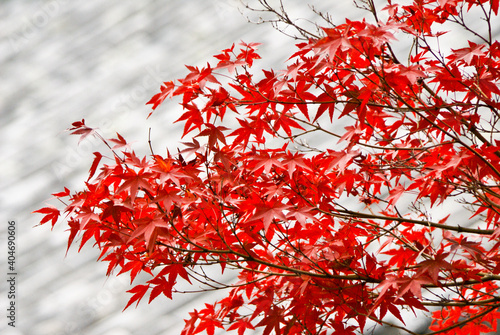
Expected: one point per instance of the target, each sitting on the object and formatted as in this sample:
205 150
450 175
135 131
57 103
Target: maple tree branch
390 324
250 258
465 302
458 229
469 126
456 138
463 322
149 142
461 22
283 17
364 144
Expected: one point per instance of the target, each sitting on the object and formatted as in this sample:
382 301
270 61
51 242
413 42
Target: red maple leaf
148 228
51 214
133 181
269 212
79 128
138 293
432 267
167 90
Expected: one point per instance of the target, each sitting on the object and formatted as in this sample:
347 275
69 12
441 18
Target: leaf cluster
330 237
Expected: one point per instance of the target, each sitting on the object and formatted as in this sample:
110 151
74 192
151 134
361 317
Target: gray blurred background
61 61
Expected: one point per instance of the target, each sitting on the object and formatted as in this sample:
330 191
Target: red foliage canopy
324 236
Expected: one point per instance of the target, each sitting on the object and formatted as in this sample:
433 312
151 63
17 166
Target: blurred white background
61 61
